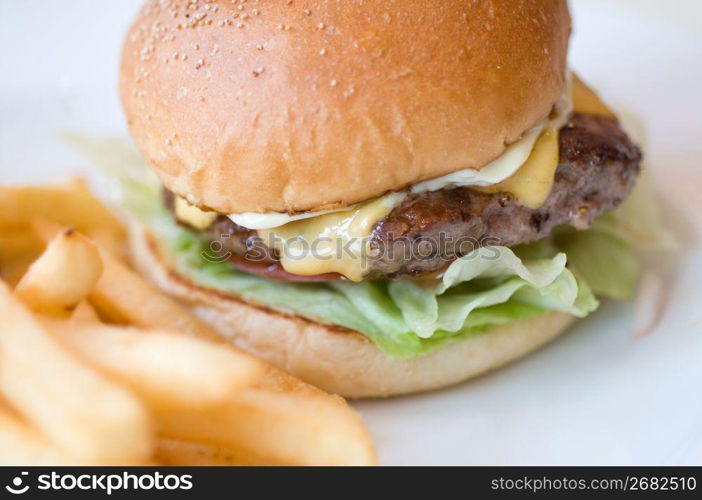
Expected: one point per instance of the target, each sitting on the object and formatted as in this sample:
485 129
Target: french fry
15 244
277 428
23 445
62 276
20 444
276 380
71 205
168 371
113 243
111 237
12 271
174 453
79 410
123 296
84 313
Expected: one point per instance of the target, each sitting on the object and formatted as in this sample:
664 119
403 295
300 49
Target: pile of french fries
97 367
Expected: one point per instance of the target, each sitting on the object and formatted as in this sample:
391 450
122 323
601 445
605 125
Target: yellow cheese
586 101
193 216
532 183
337 242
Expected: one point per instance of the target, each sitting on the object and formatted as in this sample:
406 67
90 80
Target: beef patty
597 169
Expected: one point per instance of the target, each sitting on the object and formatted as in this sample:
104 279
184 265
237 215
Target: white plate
598 395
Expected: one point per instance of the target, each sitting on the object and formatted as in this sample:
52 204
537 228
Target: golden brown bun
336 359
294 106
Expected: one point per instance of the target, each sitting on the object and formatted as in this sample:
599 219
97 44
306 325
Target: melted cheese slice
337 242
270 220
532 183
586 101
193 216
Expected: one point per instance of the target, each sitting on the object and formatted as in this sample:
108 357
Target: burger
380 197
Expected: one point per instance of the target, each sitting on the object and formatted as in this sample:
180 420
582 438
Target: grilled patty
597 169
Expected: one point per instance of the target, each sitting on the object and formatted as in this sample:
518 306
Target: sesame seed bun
282 106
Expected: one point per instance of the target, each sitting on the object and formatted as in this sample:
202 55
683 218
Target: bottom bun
336 359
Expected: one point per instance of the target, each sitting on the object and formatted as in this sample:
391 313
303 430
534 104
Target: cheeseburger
380 197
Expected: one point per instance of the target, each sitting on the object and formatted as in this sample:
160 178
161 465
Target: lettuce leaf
606 260
487 277
410 317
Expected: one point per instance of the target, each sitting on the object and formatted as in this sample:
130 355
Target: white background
596 396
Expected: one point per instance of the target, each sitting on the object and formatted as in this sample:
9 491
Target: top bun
296 105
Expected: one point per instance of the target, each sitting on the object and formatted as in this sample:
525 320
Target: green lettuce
410 317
